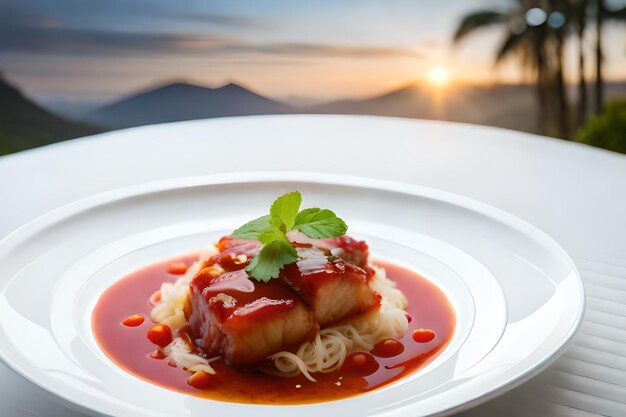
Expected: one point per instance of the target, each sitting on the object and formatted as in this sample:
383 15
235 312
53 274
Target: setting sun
438 76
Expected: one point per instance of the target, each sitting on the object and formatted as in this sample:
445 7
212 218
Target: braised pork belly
246 320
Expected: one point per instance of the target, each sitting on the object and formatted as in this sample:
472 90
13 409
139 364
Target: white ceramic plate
517 295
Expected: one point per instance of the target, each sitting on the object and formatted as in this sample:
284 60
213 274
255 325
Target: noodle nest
326 352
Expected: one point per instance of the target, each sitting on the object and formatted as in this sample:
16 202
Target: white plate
517 295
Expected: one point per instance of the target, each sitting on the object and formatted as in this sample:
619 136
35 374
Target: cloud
322 50
215 19
96 43
16 17
23 30
60 40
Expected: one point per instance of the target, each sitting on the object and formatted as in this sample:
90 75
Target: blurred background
70 68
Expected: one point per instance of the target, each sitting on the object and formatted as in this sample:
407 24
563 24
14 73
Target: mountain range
499 105
496 105
507 106
24 124
182 101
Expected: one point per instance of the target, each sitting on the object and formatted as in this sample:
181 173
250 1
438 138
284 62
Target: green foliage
319 224
271 230
24 125
477 20
285 209
268 263
252 229
608 130
510 45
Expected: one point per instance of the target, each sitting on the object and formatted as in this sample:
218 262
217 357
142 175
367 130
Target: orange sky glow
281 49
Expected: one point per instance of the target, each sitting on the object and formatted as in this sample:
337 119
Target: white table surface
575 193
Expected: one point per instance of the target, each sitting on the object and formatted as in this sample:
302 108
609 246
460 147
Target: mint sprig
271 230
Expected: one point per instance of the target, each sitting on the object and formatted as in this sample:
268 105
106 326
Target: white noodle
330 347
178 352
170 309
325 353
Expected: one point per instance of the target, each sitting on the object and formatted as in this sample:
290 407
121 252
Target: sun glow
438 76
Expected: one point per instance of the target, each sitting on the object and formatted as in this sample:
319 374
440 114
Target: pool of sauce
129 348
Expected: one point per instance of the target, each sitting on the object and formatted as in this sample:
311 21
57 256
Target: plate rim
312 177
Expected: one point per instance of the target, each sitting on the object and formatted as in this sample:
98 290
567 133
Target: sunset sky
322 49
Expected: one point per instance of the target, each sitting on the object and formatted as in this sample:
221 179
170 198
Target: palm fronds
478 20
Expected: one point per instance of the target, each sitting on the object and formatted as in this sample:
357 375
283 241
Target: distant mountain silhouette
503 105
499 105
182 101
23 124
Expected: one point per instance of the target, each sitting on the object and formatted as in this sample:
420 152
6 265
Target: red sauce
387 348
391 360
177 268
423 335
360 363
133 321
157 354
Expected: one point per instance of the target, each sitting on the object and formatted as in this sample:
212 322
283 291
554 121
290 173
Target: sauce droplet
157 354
423 335
199 380
359 359
388 348
160 335
361 363
177 268
133 321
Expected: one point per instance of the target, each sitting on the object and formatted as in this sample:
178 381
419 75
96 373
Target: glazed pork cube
234 253
244 320
345 247
350 250
335 290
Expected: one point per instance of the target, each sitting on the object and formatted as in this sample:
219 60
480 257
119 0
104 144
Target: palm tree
560 13
579 15
603 13
527 42
540 45
599 86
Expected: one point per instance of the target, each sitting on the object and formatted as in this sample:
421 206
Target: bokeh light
556 20
536 16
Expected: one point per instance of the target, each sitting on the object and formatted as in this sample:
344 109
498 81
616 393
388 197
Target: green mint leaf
320 224
272 258
306 215
252 229
271 231
276 224
271 235
286 209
